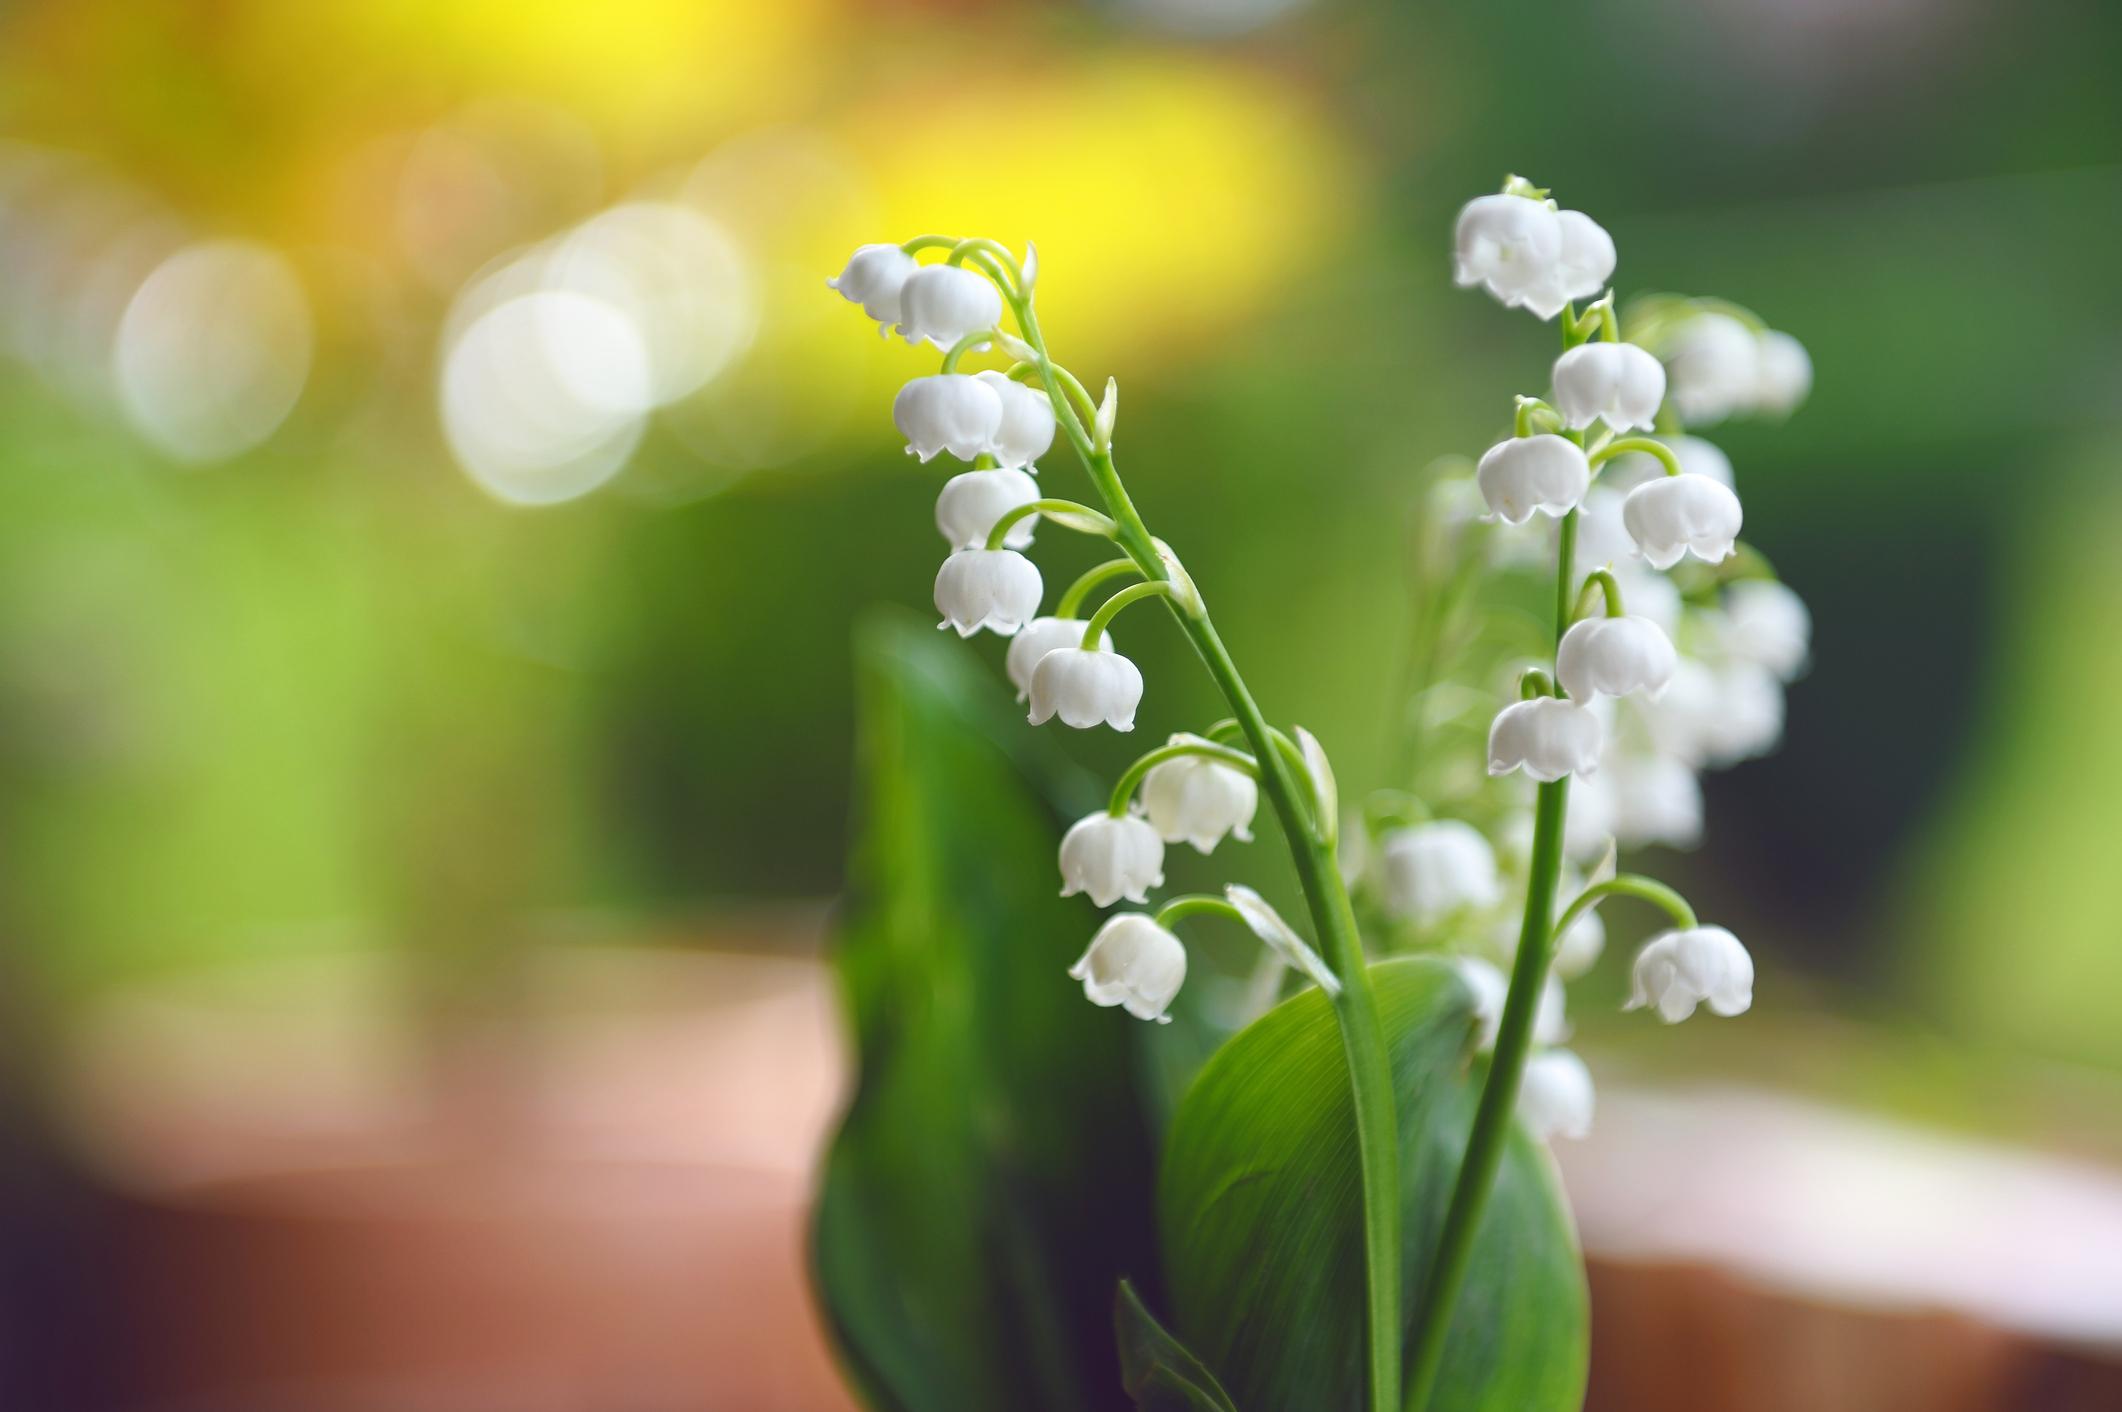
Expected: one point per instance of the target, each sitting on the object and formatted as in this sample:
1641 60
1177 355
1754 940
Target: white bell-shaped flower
1714 363
1674 516
1678 970
1696 457
1766 624
1683 722
1783 373
996 589
1656 799
1614 657
971 502
873 278
1615 383
1491 990
1085 689
1747 718
1135 963
1602 540
1510 244
1039 637
1111 856
1532 473
1027 429
1580 269
944 303
952 412
1432 871
1589 827
1547 737
1555 1096
1198 800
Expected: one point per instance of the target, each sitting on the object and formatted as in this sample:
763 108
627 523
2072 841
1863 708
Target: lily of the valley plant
1665 652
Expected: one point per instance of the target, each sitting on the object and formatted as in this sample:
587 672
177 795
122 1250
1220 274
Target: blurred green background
307 685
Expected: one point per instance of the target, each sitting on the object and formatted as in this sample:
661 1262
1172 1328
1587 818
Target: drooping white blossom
1027 428
1614 657
1748 717
1085 689
873 278
1655 799
1134 963
1678 970
1491 989
1432 871
952 412
1674 516
944 303
1197 800
1714 363
972 501
1589 827
1037 638
1555 1096
1525 474
1530 255
1602 540
1111 856
1696 457
1766 624
1615 383
1547 737
996 589
1783 374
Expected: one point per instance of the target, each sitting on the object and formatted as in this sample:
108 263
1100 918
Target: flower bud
1509 244
1714 363
1783 373
1528 473
943 303
952 412
1085 689
1675 515
1767 624
1039 637
972 501
1656 799
1613 657
996 589
1110 857
1555 1096
873 278
1434 870
1617 383
1198 800
1546 737
1027 429
1678 970
1135 963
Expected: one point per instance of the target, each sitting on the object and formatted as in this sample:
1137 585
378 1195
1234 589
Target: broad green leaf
1260 1213
992 1178
1158 1371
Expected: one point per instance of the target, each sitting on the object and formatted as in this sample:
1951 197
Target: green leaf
992 1177
1156 1368
1260 1212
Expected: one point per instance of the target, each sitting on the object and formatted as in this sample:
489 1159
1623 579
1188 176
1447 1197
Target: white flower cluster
1674 659
1192 789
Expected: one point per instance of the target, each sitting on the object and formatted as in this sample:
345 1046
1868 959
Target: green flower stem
1536 935
1533 683
1066 513
1325 896
1194 904
1094 630
1072 601
1599 583
1078 393
1529 408
1647 445
1124 789
1629 885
